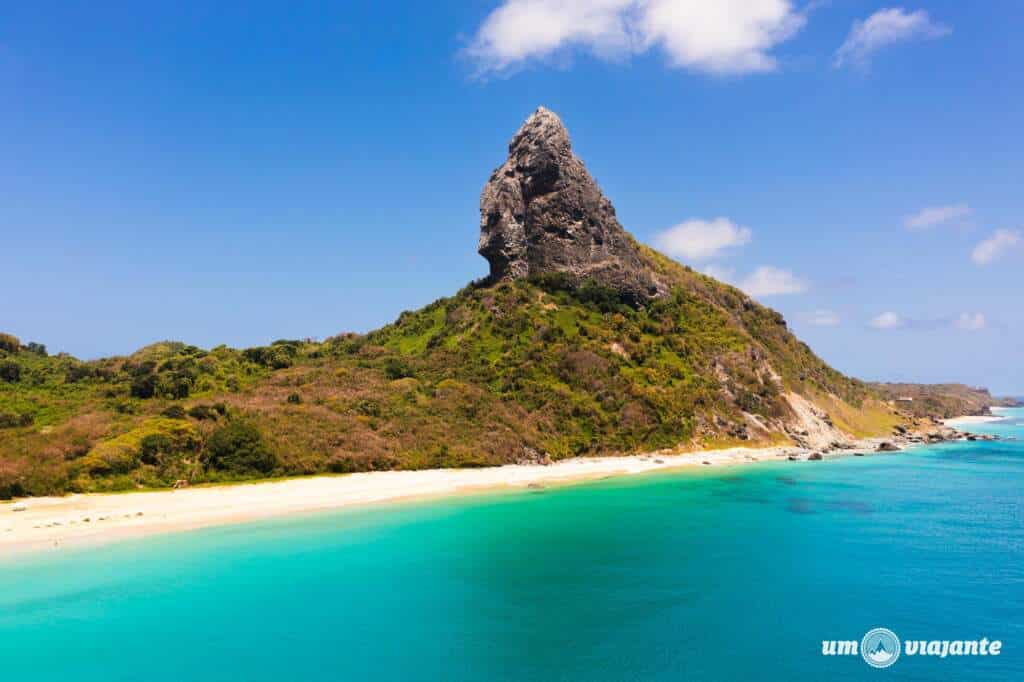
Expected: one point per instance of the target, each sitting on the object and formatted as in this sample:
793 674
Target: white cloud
702 239
887 320
937 215
970 322
771 281
720 37
727 36
823 318
883 28
722 273
992 248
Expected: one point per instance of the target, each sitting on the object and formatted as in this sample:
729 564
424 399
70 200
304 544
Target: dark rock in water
888 447
858 454
793 458
815 457
542 213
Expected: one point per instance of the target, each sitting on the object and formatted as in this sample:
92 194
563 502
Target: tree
238 447
144 386
10 371
154 448
37 348
395 368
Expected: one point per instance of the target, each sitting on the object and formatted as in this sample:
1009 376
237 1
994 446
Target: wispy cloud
1001 241
768 280
967 322
702 239
720 37
884 28
722 273
933 216
970 322
823 318
887 320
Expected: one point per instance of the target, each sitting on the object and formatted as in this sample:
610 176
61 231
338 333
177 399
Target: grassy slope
491 375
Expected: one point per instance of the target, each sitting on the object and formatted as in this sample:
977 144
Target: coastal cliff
942 401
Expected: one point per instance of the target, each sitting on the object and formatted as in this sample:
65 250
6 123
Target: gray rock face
541 212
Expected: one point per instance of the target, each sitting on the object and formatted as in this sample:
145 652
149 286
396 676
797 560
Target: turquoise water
723 574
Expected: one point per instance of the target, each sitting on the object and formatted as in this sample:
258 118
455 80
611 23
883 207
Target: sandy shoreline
963 421
52 523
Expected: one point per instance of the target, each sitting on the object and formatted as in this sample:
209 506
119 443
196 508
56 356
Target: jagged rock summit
541 212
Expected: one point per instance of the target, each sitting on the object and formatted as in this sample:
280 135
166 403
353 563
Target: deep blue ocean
721 574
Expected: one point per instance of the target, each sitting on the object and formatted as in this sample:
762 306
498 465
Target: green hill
582 342
522 370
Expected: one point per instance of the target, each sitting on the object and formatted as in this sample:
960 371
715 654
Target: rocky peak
541 212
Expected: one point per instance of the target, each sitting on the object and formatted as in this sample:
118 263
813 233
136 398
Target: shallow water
733 573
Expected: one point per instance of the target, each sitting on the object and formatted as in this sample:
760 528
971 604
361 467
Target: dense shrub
10 420
37 348
174 385
603 298
368 408
238 447
347 464
395 368
76 373
590 292
138 369
174 412
11 484
278 356
154 437
348 343
154 448
9 343
204 412
144 386
10 371
294 399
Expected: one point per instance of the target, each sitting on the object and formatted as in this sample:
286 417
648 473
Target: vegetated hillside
942 401
522 370
582 341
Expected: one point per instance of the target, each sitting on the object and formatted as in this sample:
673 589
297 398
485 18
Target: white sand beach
965 421
52 523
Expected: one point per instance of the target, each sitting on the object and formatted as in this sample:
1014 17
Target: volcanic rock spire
541 212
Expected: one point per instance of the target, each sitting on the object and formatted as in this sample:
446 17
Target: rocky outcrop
542 213
811 427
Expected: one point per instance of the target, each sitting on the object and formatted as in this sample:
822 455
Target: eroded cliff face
541 212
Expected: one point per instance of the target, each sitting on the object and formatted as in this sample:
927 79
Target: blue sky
236 172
